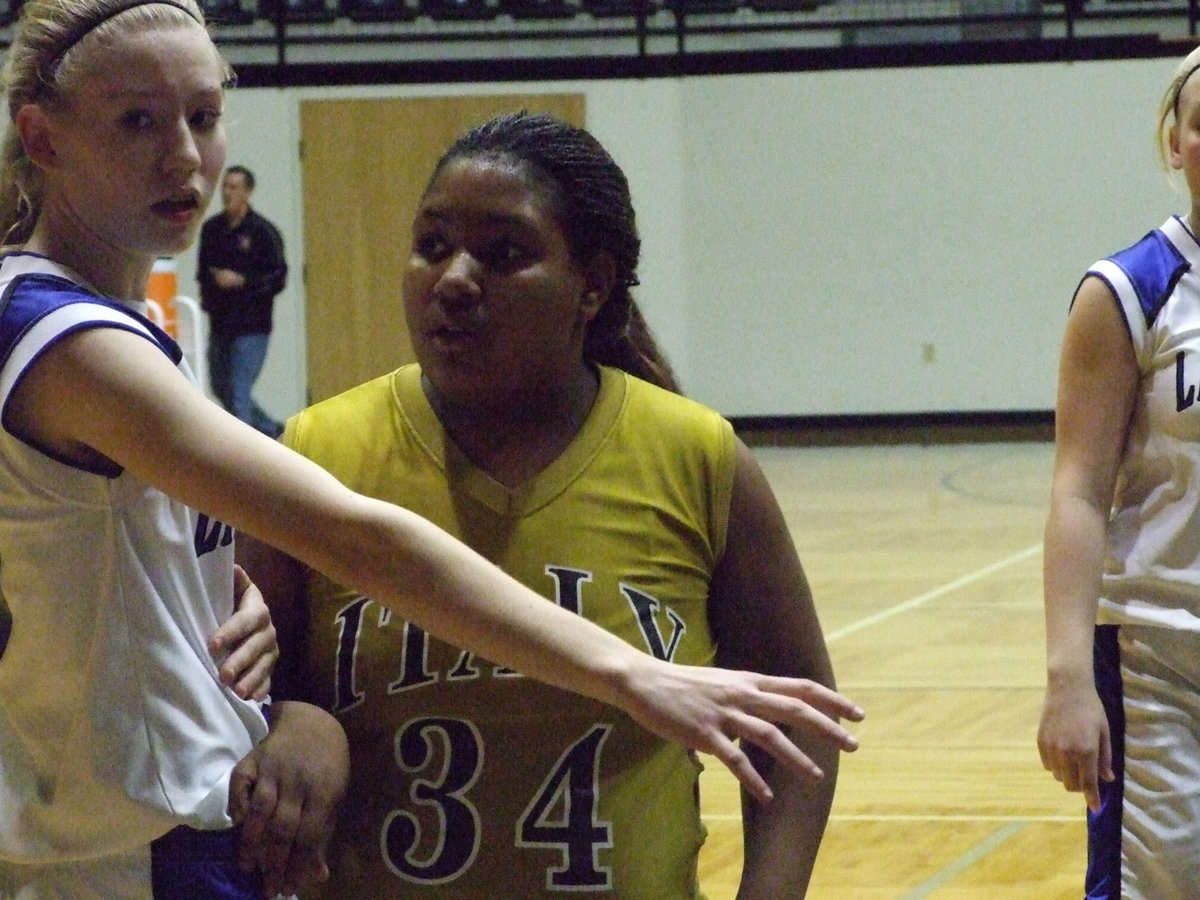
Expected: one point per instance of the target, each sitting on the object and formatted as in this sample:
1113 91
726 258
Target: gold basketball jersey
469 780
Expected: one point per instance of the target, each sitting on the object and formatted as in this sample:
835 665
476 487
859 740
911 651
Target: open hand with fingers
711 709
1074 739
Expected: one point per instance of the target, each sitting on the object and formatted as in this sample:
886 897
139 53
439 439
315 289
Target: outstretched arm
1097 381
140 412
762 616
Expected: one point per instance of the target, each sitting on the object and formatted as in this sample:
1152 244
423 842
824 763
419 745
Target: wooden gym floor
925 564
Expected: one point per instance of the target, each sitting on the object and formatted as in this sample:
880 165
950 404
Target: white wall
868 241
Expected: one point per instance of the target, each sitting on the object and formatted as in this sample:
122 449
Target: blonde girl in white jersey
116 143
1121 718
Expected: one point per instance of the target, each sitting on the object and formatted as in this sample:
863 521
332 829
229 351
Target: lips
178 205
451 334
462 322
177 210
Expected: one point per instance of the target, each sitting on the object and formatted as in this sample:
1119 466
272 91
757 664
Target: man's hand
227 279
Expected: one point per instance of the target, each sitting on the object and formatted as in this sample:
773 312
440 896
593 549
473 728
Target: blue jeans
233 366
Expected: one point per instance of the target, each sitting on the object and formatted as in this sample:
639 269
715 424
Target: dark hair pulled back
592 204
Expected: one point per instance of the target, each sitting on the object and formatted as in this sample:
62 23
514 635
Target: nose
181 153
459 278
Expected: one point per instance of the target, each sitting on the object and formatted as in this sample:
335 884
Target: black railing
307 42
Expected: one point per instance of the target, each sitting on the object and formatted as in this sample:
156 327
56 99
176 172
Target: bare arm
763 618
111 392
1096 386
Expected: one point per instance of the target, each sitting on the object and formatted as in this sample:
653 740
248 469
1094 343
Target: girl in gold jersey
542 427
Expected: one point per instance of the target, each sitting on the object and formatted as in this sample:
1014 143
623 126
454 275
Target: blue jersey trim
1154 266
29 298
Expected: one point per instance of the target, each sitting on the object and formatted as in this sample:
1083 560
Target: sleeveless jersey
114 727
1152 574
469 780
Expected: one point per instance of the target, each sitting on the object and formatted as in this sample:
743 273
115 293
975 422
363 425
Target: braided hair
592 204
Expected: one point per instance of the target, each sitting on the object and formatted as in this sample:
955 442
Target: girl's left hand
248 641
285 794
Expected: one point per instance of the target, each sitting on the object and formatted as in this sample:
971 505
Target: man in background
240 270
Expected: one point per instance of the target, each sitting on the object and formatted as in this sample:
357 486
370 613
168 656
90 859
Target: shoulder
671 446
32 286
40 303
671 409
344 419
1148 272
257 220
676 430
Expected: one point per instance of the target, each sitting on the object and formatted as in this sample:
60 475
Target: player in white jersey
81 564
1121 719
114 149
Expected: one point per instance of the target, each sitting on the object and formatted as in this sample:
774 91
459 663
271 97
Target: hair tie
1179 90
86 27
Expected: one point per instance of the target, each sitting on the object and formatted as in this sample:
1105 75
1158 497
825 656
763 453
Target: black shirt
253 249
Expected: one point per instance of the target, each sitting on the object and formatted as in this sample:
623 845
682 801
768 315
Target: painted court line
964 862
922 599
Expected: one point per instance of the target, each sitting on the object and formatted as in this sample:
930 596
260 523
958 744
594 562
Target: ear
599 276
37 135
1173 143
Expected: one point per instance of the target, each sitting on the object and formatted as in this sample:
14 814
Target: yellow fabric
452 755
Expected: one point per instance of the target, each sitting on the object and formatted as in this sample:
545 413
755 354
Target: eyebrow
127 93
489 219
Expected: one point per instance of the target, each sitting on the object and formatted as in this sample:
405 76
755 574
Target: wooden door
365 163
